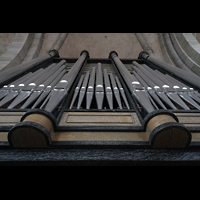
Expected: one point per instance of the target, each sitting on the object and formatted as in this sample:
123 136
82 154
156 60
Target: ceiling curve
179 49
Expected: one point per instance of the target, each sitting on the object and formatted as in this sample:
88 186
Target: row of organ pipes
98 89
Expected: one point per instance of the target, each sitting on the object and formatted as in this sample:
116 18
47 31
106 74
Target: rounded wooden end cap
33 132
166 131
29 135
170 135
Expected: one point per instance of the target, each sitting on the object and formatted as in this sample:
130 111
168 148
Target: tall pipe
38 125
189 77
9 74
162 126
134 85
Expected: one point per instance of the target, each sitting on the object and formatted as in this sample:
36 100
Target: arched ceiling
98 44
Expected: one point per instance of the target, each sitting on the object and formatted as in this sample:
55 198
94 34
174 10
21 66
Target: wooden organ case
91 103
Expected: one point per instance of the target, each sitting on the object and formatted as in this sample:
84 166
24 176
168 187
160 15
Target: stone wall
179 49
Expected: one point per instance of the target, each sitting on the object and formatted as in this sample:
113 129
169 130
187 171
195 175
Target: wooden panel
96 118
12 113
100 136
10 118
195 137
3 137
189 119
99 119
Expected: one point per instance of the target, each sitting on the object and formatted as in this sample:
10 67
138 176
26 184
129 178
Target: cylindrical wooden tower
165 131
34 130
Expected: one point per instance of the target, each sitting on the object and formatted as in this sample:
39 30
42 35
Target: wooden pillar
34 130
165 131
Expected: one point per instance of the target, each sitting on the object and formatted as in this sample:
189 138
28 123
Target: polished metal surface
176 90
180 73
109 94
98 82
90 89
76 91
16 89
61 89
99 90
83 90
121 89
134 85
36 85
116 91
48 89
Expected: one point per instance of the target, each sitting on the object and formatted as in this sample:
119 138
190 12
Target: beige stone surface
99 45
